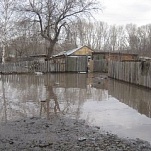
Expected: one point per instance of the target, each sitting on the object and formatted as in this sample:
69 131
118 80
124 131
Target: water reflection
18 92
4 100
112 105
50 104
26 95
134 96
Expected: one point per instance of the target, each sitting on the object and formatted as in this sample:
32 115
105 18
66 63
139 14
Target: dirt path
62 134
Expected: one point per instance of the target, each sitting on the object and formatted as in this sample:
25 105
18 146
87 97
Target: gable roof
69 52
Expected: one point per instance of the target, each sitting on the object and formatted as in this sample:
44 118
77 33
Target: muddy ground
62 134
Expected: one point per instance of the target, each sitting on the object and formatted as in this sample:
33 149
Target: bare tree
54 15
133 39
144 36
6 15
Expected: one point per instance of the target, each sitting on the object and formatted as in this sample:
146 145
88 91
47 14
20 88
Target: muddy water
114 106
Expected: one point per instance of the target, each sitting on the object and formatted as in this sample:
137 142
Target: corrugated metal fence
133 72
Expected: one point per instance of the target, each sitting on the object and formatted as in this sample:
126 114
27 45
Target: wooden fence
69 64
32 66
100 65
133 72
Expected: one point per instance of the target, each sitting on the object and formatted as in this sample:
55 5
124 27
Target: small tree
54 15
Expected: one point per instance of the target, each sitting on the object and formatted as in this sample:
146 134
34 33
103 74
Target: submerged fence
133 72
32 66
68 64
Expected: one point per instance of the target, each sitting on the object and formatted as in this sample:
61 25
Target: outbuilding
76 60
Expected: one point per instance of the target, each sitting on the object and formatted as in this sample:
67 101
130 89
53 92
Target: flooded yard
113 106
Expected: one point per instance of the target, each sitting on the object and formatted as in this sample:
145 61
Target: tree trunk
3 54
50 49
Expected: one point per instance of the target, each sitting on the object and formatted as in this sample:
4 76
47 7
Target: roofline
87 47
79 49
59 56
40 55
114 53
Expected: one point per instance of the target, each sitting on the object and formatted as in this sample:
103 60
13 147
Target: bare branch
53 15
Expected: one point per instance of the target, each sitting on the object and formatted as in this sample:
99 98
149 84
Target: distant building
100 59
114 56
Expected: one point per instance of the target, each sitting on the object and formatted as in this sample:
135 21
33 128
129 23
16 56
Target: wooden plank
130 72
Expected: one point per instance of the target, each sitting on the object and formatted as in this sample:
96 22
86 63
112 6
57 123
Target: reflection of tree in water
22 94
4 100
25 87
50 104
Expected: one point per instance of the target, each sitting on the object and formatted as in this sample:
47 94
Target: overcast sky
126 11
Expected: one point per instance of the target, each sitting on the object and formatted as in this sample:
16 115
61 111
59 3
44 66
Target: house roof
60 53
69 52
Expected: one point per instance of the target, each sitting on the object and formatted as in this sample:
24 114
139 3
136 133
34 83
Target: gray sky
122 12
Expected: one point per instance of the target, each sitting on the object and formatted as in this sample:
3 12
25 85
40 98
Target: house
114 56
80 51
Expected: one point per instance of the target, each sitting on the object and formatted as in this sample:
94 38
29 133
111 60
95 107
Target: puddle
114 106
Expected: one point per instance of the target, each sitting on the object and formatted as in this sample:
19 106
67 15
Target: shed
80 51
76 59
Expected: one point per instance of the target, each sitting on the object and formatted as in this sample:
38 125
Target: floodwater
114 106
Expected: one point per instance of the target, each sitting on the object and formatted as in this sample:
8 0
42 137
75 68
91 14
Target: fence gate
76 64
